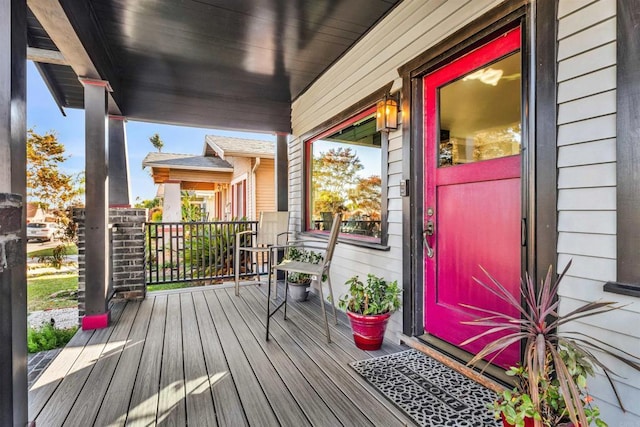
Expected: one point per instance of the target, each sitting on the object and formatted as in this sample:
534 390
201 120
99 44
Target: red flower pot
528 422
368 329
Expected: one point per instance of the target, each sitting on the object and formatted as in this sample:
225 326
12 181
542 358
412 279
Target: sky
43 115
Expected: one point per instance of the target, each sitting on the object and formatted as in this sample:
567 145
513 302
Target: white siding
410 29
587 189
265 187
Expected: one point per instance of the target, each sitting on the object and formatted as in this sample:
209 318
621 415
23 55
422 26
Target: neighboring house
233 178
35 213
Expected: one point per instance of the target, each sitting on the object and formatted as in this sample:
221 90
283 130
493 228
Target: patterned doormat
429 392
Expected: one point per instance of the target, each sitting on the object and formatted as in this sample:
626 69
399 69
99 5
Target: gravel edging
63 317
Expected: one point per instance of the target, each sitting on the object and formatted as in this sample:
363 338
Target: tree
156 142
366 196
147 203
335 172
51 188
190 211
46 183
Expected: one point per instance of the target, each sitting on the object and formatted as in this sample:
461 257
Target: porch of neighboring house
199 356
233 178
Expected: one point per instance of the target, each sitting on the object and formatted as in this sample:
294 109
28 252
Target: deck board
319 371
199 357
282 401
42 390
250 392
171 396
84 411
303 392
143 406
334 359
227 403
200 409
113 411
75 378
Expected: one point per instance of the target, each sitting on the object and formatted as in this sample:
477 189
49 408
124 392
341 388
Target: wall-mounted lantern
387 113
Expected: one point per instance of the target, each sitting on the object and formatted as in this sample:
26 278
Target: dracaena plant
556 360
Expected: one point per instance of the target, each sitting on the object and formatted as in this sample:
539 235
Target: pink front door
472 187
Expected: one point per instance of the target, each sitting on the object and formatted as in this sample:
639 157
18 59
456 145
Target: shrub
56 259
48 337
209 250
156 216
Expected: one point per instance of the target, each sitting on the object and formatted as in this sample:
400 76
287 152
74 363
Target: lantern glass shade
387 115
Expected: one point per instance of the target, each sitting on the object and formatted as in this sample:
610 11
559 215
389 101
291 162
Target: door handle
428 231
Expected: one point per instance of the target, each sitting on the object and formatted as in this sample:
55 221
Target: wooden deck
200 358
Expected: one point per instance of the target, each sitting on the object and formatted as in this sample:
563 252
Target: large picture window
344 167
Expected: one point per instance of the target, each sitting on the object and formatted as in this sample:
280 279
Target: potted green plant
299 282
369 306
551 384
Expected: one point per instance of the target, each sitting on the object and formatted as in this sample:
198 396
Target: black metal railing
203 252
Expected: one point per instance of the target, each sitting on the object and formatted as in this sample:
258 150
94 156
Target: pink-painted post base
96 321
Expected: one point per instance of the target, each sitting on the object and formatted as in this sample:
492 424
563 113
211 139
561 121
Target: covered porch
200 357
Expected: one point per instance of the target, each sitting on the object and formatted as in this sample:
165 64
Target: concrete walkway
38 362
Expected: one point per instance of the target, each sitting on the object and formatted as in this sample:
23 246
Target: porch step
452 363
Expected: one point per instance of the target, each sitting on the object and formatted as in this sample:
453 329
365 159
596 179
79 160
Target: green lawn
72 249
48 292
168 286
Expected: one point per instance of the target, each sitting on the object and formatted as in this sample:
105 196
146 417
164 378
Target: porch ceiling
210 63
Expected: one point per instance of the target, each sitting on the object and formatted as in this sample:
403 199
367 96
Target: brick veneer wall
126 235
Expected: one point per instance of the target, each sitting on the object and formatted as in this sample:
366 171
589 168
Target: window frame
361 109
628 153
239 188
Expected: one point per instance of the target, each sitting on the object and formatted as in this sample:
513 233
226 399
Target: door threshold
492 377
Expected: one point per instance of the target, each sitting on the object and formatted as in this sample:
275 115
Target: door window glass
479 114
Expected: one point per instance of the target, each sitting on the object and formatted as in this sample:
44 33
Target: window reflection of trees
346 177
483 145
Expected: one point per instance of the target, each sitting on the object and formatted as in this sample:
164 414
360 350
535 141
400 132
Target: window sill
346 240
622 289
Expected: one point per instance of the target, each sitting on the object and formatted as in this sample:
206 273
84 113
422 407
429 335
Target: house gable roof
186 161
225 146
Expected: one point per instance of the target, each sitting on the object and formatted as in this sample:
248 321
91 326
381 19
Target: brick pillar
126 254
